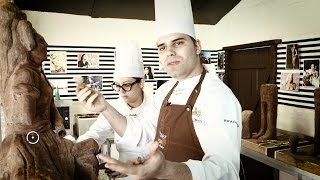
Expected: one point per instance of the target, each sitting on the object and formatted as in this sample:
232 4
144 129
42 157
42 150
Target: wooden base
303 159
268 147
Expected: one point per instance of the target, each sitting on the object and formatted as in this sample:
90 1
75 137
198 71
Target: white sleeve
99 131
211 169
141 129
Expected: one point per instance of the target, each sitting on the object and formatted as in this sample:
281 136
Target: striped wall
309 49
106 68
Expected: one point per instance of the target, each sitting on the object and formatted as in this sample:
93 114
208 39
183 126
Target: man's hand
91 99
147 169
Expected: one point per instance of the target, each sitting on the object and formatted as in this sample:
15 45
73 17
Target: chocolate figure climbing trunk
269 108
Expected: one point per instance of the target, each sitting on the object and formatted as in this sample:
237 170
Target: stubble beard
177 74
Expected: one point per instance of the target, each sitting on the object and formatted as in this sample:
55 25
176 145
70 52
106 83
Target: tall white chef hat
174 16
128 61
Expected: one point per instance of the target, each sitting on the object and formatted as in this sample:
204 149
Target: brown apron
175 132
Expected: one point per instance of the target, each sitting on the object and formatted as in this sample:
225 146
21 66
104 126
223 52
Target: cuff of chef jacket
196 169
132 135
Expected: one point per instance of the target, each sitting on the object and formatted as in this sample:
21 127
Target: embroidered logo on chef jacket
134 115
177 91
197 116
162 139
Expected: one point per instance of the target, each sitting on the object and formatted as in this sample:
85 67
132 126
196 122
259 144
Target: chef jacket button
188 109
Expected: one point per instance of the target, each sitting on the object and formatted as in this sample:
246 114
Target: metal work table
301 174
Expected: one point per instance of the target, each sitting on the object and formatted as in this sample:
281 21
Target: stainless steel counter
299 173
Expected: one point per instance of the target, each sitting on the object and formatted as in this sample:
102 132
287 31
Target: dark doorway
247 67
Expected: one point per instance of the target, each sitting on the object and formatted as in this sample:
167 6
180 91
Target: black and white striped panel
214 60
151 59
309 49
106 68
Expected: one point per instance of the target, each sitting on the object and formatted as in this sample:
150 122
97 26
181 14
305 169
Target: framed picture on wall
311 73
220 60
58 61
148 72
290 80
292 57
205 57
88 60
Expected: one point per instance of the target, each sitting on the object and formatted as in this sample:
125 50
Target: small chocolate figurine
293 143
247 119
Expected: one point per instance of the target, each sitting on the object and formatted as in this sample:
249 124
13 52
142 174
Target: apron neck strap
195 91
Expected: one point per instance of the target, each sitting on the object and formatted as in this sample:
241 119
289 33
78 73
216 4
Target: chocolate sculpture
31 149
269 107
293 143
247 119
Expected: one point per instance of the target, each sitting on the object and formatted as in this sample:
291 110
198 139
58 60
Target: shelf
302 159
297 172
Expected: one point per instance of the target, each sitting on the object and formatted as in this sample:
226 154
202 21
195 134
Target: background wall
65 29
289 20
250 21
258 20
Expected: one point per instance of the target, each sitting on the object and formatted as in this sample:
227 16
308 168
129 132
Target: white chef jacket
217 120
101 129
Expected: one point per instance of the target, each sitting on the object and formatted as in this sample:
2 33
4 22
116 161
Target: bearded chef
194 119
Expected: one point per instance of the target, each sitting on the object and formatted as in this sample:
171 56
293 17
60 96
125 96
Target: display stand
303 159
268 147
292 170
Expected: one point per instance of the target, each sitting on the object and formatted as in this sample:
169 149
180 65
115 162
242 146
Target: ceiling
204 11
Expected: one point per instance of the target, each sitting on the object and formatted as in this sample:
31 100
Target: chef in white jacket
196 116
128 81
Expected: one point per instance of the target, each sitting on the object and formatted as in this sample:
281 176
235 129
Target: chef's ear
26 34
141 84
198 46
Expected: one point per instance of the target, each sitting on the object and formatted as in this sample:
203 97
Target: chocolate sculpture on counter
31 148
269 108
247 119
293 143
